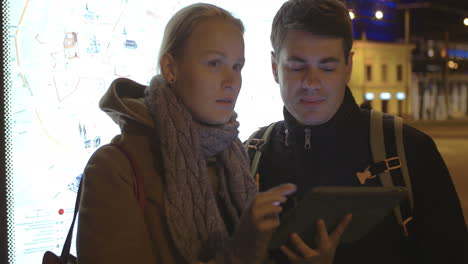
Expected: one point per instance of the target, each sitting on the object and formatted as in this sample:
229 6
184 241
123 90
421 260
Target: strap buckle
256 143
392 167
404 226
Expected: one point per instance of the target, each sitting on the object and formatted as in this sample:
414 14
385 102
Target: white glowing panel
64 54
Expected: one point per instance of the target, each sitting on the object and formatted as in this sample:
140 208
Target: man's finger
302 247
339 230
290 254
323 239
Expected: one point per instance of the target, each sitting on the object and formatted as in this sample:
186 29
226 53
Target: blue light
385 29
457 53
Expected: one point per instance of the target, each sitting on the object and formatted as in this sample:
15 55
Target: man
324 141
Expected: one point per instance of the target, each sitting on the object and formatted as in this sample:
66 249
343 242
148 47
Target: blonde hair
182 23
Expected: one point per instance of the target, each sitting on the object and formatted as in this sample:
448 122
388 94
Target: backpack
389 163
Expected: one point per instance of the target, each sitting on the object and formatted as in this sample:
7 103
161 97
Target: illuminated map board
63 56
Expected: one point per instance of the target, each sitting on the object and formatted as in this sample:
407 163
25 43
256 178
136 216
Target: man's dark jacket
339 149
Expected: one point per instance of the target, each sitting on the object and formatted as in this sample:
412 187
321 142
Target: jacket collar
347 115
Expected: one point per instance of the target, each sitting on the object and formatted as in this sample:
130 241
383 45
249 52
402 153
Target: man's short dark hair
319 17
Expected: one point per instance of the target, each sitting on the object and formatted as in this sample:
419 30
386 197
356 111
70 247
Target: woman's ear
168 68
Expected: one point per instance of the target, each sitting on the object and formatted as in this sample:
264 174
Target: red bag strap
138 189
138 185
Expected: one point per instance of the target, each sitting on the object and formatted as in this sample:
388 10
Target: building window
384 73
399 71
369 73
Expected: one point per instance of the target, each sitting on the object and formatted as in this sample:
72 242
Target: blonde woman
201 205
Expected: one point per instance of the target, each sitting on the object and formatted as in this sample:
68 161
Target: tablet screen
368 205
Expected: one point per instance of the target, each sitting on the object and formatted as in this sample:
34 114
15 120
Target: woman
201 204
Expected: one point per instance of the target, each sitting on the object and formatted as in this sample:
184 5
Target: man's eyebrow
296 59
329 60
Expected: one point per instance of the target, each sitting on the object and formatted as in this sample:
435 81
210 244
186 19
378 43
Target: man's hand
326 245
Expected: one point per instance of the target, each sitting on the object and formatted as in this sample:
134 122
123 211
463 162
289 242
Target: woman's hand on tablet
326 245
260 219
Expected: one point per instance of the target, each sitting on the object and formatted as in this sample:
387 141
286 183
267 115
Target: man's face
312 74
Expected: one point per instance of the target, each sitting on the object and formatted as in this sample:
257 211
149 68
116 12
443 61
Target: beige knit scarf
195 223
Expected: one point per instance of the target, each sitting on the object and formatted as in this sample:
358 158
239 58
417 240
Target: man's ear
349 67
274 66
169 68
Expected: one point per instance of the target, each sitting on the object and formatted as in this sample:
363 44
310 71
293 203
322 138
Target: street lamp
351 15
379 14
465 21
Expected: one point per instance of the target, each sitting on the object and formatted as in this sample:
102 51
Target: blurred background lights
400 96
379 14
351 15
370 96
452 65
385 96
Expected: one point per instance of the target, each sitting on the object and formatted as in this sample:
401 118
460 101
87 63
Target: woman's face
208 71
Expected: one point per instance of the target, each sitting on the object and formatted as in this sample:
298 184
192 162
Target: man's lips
311 101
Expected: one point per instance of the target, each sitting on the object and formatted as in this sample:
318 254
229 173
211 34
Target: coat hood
124 100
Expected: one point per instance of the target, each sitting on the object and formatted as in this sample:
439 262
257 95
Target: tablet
368 205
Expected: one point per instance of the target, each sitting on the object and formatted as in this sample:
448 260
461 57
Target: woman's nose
231 79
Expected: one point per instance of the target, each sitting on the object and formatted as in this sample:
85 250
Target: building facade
382 75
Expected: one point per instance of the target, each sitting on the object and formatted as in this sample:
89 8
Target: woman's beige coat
112 228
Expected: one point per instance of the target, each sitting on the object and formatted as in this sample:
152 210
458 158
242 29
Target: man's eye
328 67
296 67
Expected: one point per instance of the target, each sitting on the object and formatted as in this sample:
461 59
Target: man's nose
311 80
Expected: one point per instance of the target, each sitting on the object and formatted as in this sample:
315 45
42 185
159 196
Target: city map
63 56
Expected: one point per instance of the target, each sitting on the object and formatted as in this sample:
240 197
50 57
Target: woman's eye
214 63
238 67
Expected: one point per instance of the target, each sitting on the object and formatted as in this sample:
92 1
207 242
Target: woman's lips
225 101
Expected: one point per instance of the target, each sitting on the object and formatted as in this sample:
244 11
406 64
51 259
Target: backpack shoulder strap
256 143
401 153
379 153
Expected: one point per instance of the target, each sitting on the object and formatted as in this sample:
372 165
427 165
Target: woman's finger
260 213
269 199
283 189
